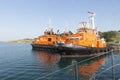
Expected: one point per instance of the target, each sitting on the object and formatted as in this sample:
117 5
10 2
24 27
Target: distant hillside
21 40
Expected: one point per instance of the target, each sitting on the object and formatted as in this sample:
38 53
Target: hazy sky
29 18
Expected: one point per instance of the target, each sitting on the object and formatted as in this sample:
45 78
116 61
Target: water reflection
47 58
32 65
66 61
85 70
90 68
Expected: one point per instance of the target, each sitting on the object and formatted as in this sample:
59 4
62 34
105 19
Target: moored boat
49 41
85 41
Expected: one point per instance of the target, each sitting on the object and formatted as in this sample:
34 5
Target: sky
29 18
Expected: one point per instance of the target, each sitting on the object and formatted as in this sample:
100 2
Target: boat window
49 39
53 42
76 38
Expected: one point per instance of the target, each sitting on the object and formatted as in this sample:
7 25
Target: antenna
67 27
49 23
92 14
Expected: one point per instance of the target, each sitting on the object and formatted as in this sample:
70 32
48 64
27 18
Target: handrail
97 75
79 63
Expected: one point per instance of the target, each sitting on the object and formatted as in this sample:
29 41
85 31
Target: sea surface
19 62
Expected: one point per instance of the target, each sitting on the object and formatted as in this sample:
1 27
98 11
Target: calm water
19 62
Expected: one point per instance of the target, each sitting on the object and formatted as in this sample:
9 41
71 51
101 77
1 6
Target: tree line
111 36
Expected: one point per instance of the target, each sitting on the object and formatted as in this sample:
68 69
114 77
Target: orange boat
85 40
49 41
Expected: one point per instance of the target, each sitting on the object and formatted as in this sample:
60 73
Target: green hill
111 37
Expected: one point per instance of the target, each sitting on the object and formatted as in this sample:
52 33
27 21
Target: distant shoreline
21 40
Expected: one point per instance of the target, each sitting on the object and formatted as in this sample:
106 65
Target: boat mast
49 30
92 14
49 26
66 28
49 23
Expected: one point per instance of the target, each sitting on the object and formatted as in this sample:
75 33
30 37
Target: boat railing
79 70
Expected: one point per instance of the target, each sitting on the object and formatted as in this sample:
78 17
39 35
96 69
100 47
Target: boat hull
63 49
39 47
82 50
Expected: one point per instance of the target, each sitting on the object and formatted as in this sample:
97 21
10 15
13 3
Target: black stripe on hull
51 48
82 51
68 50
